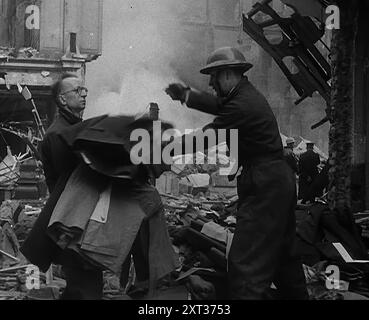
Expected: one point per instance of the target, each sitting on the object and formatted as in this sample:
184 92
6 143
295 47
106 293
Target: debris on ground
201 220
201 226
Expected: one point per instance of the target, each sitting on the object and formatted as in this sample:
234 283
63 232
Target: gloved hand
177 92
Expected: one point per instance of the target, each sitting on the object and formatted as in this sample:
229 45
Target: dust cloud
141 41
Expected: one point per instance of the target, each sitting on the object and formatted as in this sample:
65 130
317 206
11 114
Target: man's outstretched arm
194 99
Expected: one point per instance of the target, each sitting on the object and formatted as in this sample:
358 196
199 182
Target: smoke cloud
142 39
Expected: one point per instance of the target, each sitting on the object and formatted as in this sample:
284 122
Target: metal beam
310 8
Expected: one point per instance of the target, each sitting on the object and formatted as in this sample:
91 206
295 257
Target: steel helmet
226 57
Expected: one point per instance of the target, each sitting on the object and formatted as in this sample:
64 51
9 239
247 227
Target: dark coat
317 187
58 162
308 164
68 141
55 154
308 170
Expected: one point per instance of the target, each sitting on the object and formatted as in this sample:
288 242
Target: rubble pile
16 220
24 283
332 274
197 174
201 229
201 221
351 284
12 284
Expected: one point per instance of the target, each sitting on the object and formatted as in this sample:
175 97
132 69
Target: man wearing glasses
70 98
83 269
84 282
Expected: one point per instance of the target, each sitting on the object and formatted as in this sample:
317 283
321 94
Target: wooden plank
16 268
9 255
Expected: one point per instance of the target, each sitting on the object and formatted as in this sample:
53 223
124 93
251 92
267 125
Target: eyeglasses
80 91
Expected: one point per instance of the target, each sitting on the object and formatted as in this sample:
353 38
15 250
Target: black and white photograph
179 156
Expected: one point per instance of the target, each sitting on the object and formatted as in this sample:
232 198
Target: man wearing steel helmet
262 250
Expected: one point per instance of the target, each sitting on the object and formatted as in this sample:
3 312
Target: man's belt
255 160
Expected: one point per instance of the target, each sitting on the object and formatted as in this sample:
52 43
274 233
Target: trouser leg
124 275
82 284
265 221
290 278
139 251
251 263
290 281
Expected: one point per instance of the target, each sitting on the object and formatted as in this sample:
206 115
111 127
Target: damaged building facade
39 40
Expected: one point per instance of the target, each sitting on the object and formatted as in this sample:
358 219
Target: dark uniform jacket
245 109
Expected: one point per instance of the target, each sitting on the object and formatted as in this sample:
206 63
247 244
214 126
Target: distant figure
290 156
319 185
308 169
